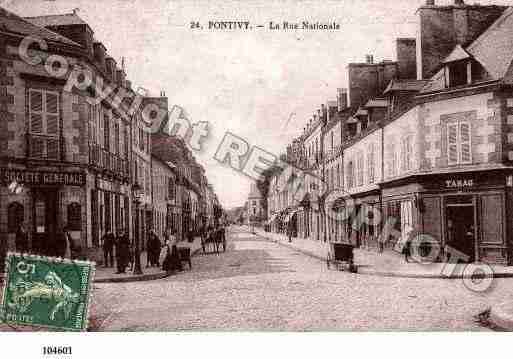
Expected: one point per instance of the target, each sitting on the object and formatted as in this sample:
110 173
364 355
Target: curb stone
366 271
141 278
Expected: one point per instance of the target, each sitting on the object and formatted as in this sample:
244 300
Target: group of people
158 254
62 245
121 245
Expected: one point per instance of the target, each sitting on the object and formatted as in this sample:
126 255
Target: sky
246 82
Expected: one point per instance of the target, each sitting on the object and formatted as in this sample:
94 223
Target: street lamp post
137 252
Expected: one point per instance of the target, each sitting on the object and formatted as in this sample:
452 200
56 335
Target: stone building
66 154
432 154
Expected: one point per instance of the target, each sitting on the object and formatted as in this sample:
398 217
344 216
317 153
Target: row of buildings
425 140
69 160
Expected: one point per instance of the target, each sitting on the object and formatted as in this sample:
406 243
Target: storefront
469 212
45 201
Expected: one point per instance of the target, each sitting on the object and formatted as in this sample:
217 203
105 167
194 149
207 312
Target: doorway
460 216
44 220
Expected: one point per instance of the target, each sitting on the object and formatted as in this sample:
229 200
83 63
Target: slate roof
406 85
494 48
56 20
15 24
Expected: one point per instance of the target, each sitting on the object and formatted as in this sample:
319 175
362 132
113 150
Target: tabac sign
459 183
35 178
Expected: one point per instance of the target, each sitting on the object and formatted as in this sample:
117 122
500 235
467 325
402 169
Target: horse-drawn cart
214 240
341 257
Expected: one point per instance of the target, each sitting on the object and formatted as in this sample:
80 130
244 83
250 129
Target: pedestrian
21 239
172 261
60 245
72 250
190 236
153 249
122 252
407 250
108 249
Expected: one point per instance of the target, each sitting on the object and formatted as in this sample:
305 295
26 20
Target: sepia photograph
279 167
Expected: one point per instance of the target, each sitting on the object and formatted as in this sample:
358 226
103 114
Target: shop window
74 216
15 215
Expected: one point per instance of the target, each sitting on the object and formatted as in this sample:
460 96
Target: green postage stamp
49 292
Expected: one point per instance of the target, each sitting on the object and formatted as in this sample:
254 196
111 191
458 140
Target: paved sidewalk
388 263
107 275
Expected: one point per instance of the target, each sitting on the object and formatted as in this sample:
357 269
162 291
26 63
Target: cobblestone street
258 285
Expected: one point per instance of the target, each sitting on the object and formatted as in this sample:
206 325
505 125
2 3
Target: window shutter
465 145
36 111
52 113
452 144
100 123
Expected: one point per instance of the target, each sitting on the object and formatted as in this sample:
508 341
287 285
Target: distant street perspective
260 285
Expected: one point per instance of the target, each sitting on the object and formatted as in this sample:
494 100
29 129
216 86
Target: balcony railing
104 160
45 147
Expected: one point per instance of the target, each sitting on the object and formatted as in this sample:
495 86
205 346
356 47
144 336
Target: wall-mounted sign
459 183
28 177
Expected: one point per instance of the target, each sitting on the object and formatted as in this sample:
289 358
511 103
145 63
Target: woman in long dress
172 261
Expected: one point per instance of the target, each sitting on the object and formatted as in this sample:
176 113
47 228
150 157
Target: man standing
108 249
122 252
21 239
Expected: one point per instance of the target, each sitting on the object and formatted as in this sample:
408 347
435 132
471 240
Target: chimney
111 69
341 98
369 59
100 54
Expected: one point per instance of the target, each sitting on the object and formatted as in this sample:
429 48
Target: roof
15 24
405 85
457 54
361 112
377 102
57 20
494 48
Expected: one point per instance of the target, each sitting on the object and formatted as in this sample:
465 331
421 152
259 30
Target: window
44 123
116 138
74 217
458 73
106 132
359 170
370 164
392 160
171 189
126 142
459 149
406 152
338 175
350 175
15 215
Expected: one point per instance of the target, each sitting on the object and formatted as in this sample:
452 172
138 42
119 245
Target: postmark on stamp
48 292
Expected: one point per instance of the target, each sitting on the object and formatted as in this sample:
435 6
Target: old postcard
292 166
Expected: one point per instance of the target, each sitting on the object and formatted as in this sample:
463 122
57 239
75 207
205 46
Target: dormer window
459 73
